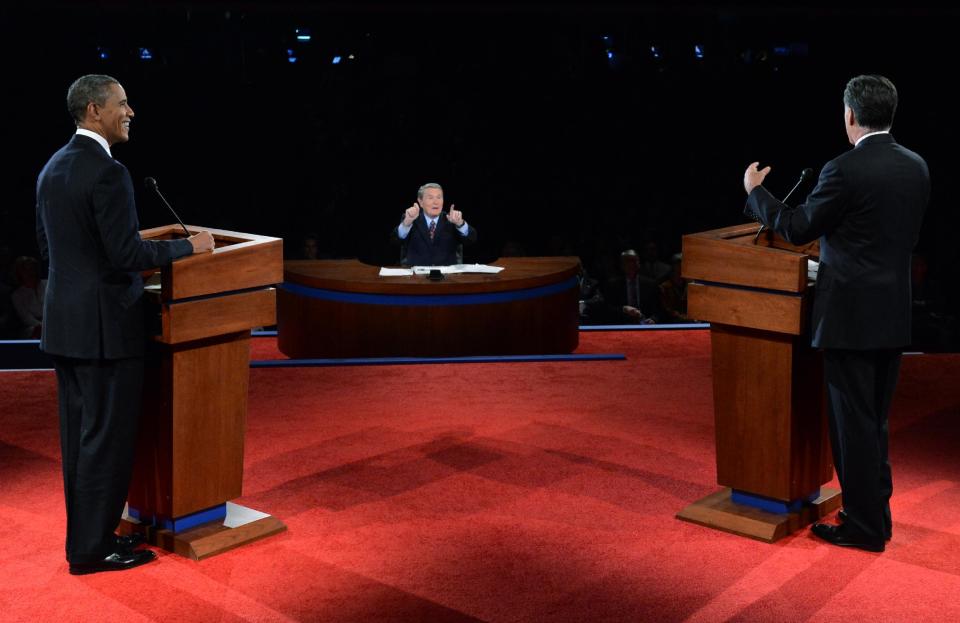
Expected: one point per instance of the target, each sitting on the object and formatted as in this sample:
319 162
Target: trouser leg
887 373
860 437
102 416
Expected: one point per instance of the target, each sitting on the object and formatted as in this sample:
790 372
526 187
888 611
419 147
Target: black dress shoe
114 562
845 536
842 516
129 542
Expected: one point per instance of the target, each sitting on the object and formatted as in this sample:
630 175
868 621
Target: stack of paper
446 270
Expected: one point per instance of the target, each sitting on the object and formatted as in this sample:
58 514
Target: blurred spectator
673 294
591 299
649 266
629 297
28 297
9 323
310 250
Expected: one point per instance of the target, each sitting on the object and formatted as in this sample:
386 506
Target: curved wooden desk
343 308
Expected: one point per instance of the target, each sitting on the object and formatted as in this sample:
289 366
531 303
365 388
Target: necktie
433 228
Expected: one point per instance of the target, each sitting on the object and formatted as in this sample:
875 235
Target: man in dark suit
433 239
866 209
87 229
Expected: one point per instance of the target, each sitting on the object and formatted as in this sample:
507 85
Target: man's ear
851 118
93 111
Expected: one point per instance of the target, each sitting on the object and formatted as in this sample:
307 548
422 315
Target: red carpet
496 492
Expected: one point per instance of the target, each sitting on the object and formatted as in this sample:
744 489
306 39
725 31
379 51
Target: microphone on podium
151 184
804 176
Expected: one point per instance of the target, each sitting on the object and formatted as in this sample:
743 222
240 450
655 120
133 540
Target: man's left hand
455 217
753 177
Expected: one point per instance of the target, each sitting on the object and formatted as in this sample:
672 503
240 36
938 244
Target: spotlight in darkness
336 60
291 56
303 34
655 51
145 54
609 49
103 53
698 51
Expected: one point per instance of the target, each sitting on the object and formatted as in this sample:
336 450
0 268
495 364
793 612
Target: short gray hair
85 89
421 190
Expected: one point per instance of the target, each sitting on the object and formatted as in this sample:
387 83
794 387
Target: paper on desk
396 272
458 268
812 267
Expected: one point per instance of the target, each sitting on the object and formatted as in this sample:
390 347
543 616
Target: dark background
547 144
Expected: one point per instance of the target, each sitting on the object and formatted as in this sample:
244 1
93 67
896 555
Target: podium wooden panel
771 432
190 447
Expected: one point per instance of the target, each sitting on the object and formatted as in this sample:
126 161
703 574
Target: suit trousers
99 412
860 386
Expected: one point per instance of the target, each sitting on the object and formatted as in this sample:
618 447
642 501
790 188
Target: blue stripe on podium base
181 524
771 505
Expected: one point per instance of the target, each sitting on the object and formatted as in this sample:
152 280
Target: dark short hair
85 89
873 100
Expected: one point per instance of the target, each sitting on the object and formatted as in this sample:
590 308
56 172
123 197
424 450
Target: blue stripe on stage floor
392 361
588 327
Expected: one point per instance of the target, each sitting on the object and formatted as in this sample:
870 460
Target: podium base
241 526
718 511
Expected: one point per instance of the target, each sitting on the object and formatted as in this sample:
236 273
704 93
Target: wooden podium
773 451
189 460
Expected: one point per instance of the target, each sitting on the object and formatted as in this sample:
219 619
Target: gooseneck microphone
151 184
804 176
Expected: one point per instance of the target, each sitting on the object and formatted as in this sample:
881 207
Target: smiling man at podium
866 210
87 229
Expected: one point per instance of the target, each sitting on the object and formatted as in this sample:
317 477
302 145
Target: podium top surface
737 256
239 261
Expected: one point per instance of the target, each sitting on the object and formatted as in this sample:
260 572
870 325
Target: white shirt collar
96 137
870 134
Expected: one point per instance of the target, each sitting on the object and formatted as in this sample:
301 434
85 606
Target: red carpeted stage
496 492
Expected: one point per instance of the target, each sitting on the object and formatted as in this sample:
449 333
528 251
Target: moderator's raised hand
411 214
455 216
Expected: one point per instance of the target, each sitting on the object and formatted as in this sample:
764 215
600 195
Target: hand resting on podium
202 242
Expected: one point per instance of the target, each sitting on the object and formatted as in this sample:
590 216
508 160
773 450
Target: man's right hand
411 215
202 242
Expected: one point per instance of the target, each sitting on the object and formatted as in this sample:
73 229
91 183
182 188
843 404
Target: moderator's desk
343 308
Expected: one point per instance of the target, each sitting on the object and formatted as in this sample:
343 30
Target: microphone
804 176
151 184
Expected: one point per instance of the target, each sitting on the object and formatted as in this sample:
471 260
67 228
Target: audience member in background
27 299
673 294
9 323
311 247
591 299
650 267
429 237
512 248
628 298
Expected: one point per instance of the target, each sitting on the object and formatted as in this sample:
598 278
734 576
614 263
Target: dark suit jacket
88 231
867 210
418 250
